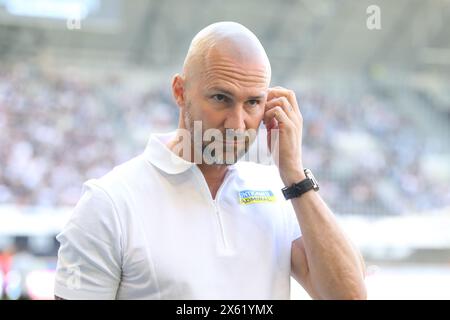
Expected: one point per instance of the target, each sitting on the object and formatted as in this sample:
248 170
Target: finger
282 102
278 114
286 106
272 123
276 92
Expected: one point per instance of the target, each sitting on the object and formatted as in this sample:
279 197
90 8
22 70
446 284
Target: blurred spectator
59 130
6 257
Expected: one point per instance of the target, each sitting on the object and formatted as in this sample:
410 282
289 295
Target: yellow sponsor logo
256 196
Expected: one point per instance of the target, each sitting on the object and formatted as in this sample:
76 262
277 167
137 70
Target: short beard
238 153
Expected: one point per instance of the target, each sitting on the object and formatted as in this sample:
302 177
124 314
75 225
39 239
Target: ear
178 90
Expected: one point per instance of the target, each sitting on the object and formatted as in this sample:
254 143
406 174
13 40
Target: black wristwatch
297 189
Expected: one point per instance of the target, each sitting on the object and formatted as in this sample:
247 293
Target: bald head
225 41
225 80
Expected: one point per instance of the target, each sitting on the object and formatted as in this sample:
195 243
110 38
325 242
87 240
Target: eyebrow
229 93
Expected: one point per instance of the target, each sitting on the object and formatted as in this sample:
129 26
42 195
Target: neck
213 174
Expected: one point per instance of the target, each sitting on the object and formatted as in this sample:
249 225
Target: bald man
183 222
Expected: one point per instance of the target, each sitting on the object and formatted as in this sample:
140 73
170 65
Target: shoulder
126 172
93 223
104 200
121 182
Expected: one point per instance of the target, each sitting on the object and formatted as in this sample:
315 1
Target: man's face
228 95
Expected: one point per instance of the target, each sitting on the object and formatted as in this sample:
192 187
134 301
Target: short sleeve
89 257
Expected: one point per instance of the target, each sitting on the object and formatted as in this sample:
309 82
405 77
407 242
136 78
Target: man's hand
282 113
323 260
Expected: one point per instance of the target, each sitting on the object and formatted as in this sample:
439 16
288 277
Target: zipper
225 247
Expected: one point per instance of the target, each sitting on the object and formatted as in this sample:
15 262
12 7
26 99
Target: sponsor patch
256 196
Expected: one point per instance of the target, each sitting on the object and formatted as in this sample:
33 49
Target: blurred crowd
24 273
370 158
59 130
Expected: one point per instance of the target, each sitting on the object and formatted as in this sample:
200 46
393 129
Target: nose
235 118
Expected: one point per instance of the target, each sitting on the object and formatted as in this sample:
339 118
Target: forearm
335 266
330 265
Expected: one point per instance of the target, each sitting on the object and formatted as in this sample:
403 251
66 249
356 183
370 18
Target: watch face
310 175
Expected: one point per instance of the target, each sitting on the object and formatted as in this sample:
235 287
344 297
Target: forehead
236 73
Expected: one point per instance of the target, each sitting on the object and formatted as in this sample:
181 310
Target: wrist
296 184
293 176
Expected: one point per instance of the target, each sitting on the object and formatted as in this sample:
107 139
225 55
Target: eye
253 103
219 97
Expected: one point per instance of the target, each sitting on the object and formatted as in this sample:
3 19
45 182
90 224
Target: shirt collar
162 157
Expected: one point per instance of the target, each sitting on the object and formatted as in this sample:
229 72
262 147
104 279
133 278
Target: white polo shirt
149 229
